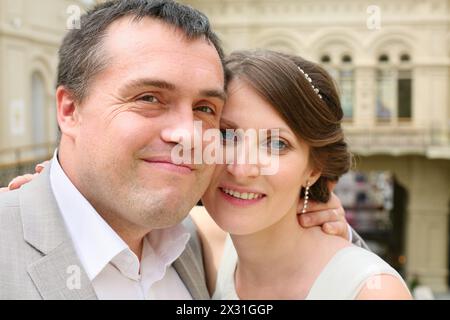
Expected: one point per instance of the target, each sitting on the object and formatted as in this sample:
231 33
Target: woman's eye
149 98
276 144
205 109
228 135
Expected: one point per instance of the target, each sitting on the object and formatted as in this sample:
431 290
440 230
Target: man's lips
167 163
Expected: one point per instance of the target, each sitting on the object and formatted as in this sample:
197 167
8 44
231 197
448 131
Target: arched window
385 103
38 109
342 71
394 89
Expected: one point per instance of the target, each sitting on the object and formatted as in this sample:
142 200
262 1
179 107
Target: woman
271 256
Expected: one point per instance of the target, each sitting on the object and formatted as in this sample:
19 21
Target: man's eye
149 98
205 109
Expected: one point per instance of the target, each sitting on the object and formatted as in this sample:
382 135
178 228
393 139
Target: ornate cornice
312 12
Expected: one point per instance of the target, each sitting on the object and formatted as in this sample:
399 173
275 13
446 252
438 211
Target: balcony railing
394 140
20 160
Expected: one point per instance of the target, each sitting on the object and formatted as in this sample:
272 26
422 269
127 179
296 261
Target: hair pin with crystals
316 90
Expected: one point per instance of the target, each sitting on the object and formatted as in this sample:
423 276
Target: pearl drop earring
305 204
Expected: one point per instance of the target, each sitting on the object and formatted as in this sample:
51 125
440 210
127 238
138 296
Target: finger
312 206
334 201
4 190
339 229
318 218
16 183
41 166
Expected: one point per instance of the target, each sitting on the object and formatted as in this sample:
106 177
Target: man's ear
67 112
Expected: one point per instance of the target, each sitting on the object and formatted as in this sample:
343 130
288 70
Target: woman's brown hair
314 119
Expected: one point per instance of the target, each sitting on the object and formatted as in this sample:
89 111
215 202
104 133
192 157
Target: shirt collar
161 249
97 244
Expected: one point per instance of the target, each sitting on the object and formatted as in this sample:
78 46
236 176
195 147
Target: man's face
156 82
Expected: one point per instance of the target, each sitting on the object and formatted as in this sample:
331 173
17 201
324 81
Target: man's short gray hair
81 56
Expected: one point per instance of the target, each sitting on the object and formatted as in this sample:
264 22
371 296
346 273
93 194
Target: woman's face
273 196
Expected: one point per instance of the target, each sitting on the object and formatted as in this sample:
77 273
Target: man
103 220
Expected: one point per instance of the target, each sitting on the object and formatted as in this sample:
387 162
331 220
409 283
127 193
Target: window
38 108
404 94
346 84
394 90
343 74
385 94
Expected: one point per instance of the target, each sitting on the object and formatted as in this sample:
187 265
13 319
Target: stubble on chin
158 208
136 202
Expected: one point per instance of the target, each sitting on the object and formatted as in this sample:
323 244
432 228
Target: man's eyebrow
213 93
148 82
162 84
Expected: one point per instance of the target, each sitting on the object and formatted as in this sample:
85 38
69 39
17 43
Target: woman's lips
241 198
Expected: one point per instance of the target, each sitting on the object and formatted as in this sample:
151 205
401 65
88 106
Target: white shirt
114 270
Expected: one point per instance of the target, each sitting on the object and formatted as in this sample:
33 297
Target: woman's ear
314 175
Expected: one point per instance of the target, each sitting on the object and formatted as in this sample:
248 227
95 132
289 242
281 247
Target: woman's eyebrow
228 123
279 130
232 124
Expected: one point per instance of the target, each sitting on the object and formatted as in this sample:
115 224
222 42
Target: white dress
341 279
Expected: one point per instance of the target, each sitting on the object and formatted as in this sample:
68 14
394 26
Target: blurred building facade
30 34
389 58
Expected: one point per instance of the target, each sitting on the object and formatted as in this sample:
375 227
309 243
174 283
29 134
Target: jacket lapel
59 273
60 276
187 267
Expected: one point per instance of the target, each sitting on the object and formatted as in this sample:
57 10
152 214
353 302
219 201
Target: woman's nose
243 171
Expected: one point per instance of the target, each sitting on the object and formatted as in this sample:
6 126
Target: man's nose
179 128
